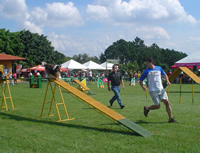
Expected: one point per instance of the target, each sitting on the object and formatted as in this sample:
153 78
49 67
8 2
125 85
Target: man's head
149 62
114 68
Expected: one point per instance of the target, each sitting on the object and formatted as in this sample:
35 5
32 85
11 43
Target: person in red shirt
169 73
15 77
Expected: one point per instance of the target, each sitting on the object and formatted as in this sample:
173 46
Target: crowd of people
88 73
8 74
185 79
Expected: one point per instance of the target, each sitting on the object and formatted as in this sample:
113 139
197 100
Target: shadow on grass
111 107
20 118
145 122
95 108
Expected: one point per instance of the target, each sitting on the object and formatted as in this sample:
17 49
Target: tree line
131 54
32 46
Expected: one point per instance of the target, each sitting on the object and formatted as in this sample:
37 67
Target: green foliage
40 48
130 67
30 61
136 52
83 58
32 46
102 58
10 43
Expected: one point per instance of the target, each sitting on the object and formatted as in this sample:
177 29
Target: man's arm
122 81
142 85
167 79
108 85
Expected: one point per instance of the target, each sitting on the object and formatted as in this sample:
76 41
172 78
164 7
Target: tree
119 50
10 43
136 52
40 48
30 61
102 58
83 58
31 46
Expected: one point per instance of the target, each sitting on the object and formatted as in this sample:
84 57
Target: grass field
23 130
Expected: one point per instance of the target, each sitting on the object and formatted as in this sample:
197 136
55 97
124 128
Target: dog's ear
59 67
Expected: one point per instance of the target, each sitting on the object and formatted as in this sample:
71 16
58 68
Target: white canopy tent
71 64
109 65
93 66
191 60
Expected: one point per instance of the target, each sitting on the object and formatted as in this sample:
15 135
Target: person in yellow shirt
138 75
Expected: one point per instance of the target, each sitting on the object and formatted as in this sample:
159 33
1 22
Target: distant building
8 60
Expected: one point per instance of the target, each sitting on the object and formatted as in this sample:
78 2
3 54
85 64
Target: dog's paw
57 79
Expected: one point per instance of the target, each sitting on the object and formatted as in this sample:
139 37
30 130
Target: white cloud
153 33
66 44
95 45
70 45
38 16
14 9
190 19
99 11
32 27
140 11
194 40
56 15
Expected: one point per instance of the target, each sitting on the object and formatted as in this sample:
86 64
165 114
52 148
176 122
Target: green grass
23 130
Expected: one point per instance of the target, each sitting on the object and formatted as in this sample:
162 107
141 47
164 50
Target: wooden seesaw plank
104 109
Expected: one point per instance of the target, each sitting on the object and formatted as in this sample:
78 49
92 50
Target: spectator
10 79
115 78
90 76
15 77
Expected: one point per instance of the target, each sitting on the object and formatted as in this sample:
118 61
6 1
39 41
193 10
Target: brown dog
53 70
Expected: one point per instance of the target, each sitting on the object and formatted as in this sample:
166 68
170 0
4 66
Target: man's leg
168 108
116 91
156 100
112 100
114 97
152 107
165 100
169 111
118 97
148 108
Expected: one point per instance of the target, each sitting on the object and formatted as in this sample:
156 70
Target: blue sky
90 26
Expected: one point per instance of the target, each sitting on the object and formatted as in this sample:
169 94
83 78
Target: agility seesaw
4 97
83 87
189 73
102 108
4 83
92 102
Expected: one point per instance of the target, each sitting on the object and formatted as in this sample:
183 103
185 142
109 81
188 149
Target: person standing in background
15 77
115 78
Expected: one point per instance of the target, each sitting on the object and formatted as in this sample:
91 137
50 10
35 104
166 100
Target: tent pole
180 89
192 92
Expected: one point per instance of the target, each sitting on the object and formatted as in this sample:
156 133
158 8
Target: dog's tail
43 63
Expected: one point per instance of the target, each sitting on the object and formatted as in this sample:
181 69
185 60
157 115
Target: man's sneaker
146 111
122 106
171 120
110 103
